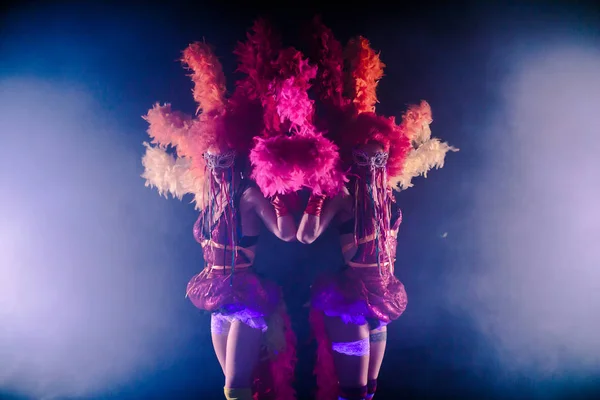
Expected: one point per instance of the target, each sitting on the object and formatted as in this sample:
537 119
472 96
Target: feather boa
327 381
274 375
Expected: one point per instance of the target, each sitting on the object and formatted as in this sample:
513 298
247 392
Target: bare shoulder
252 192
251 197
341 205
344 200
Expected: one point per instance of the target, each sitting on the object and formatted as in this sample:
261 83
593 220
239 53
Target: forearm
308 230
286 226
310 225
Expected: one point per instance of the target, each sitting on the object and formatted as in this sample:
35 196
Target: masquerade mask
378 160
219 161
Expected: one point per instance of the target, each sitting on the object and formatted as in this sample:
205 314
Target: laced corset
221 244
366 245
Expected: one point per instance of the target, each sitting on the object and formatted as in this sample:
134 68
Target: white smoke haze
87 286
85 289
537 296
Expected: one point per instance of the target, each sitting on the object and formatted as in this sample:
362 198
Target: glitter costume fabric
238 292
361 292
360 295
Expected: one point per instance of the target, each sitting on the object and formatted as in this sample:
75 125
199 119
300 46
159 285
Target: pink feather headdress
189 136
291 153
348 98
220 124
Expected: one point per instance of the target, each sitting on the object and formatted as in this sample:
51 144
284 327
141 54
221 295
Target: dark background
449 53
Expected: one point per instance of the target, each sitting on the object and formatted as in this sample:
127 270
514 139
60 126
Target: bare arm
314 224
284 227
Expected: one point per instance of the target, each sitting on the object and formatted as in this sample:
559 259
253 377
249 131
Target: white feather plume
429 154
171 175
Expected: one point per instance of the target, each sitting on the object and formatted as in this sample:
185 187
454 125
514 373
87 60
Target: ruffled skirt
356 295
360 295
258 303
244 296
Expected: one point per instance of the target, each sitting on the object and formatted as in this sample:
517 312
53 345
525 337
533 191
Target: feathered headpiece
220 123
426 152
292 153
349 98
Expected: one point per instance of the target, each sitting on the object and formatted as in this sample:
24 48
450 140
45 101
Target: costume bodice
367 249
222 241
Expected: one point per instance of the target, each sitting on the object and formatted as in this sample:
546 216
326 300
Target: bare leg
377 341
219 332
352 370
242 354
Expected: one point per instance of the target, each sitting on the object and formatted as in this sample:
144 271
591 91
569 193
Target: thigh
220 346
352 370
243 350
377 342
219 330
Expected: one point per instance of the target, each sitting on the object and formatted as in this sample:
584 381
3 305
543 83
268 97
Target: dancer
248 319
350 310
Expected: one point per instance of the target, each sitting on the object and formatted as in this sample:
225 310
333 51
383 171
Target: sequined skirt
360 295
217 291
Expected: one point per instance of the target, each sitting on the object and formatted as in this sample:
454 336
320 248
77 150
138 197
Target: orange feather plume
365 71
207 75
415 119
